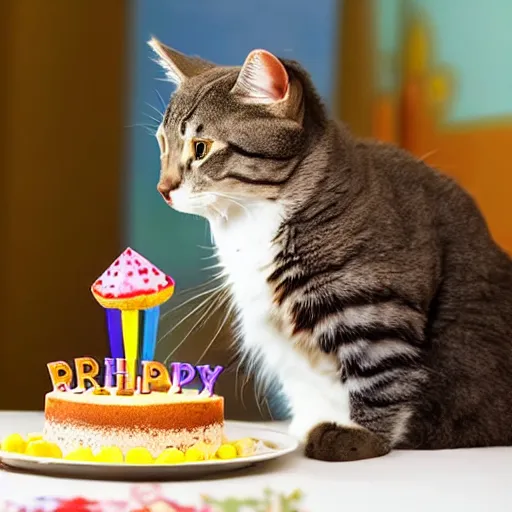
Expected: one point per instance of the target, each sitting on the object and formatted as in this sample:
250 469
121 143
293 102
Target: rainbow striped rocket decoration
132 290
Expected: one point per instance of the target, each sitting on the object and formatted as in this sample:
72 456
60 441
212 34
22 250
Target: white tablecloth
466 480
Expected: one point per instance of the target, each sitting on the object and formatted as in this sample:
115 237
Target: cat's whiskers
149 128
242 390
212 248
229 310
158 121
215 277
207 247
208 309
217 265
212 308
233 200
222 215
210 257
210 293
236 381
269 409
257 390
252 362
161 114
164 105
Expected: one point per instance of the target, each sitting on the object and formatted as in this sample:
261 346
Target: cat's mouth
182 200
208 204
168 200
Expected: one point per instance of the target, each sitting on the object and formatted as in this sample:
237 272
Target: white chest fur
246 250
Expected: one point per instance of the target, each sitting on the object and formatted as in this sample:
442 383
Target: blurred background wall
80 97
442 89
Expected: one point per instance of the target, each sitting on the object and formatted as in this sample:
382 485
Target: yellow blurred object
109 454
81 454
42 448
207 449
417 49
138 456
227 451
245 446
34 436
439 87
14 443
170 456
194 455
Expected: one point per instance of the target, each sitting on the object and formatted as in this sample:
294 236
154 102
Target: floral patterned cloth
151 498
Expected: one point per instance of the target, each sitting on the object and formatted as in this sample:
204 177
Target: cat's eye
201 148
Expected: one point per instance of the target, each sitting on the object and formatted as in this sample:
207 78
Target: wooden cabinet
61 139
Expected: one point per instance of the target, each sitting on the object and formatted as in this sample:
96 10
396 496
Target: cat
365 281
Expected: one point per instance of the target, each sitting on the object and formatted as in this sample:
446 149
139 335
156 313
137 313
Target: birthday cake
102 417
132 408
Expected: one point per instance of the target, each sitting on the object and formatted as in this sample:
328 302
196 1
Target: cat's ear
262 79
178 67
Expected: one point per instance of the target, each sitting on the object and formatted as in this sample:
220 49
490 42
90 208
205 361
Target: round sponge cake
155 421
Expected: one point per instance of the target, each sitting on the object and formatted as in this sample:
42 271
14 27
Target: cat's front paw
335 443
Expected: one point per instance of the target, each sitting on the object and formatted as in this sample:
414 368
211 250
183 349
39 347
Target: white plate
282 444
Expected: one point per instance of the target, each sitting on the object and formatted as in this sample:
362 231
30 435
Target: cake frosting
155 421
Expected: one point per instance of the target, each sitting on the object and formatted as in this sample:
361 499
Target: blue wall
223 31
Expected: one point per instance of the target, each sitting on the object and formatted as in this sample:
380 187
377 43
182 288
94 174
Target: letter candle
156 377
120 374
209 377
84 375
61 375
110 364
178 379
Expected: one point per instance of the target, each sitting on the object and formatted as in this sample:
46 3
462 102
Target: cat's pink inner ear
262 79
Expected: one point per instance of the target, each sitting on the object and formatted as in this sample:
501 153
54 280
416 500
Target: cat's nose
167 184
165 191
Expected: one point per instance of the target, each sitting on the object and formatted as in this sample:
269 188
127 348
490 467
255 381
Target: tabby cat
366 282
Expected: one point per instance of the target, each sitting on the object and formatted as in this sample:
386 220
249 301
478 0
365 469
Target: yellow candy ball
34 436
194 455
138 456
14 443
245 446
226 451
110 454
206 449
170 456
42 448
82 454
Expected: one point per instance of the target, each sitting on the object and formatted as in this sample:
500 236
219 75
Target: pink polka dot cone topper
132 283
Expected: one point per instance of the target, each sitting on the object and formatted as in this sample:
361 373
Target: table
412 481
